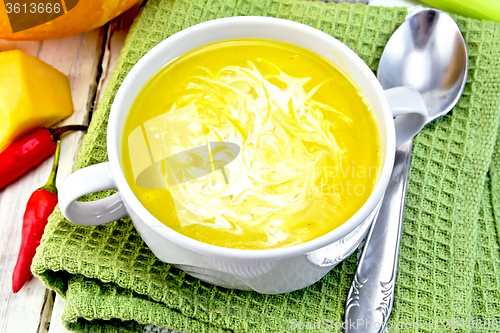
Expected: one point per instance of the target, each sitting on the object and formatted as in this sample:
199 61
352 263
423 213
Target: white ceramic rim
114 148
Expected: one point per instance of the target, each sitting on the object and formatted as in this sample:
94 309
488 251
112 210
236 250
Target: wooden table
88 60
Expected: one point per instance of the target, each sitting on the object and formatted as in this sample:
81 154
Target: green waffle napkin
449 265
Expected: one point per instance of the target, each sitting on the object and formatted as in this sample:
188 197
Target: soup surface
307 153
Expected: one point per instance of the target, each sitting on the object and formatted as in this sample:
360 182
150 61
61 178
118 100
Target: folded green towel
449 266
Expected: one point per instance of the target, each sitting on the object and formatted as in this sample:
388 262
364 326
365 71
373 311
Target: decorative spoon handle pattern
370 298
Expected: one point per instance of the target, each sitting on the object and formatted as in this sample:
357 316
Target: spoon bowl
428 53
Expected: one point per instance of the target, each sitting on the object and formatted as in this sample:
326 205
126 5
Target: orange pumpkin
84 16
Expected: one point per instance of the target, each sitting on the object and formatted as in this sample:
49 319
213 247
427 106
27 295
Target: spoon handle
370 298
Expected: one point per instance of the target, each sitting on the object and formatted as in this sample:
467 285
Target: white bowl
266 271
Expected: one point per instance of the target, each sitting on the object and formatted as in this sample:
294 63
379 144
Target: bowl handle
410 110
88 180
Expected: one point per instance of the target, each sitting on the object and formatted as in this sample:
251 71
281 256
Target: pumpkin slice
32 94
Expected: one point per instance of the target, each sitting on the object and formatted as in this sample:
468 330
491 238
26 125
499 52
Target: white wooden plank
46 311
116 38
56 325
77 57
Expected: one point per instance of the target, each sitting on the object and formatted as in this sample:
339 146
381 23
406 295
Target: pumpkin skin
85 16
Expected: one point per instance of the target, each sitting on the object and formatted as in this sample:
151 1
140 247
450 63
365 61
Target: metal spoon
427 52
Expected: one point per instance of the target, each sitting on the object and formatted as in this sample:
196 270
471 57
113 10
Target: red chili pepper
29 151
40 205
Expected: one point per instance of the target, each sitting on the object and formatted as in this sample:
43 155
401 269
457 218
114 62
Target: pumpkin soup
251 144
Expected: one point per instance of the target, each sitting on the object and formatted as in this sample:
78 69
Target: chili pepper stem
51 183
56 133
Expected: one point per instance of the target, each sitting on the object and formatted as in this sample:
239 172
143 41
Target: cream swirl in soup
308 145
